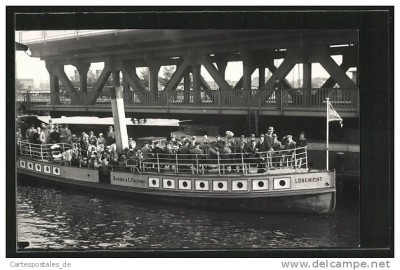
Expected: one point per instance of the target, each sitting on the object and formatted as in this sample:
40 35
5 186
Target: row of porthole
37 167
219 185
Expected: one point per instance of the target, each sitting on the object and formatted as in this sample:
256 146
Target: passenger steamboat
278 181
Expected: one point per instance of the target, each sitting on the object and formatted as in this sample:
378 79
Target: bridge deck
291 102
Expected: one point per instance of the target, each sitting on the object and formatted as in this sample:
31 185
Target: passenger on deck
219 141
67 156
74 139
288 153
84 142
92 138
131 143
252 138
240 155
44 135
277 151
146 150
262 145
18 135
157 149
55 136
65 134
276 146
269 140
36 136
174 140
122 163
197 151
301 152
225 151
30 132
110 137
290 144
205 145
193 142
252 152
101 139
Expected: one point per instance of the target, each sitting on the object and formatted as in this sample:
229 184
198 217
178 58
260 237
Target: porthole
221 185
201 185
46 168
260 185
56 171
38 167
154 182
169 183
30 165
239 185
184 184
282 183
22 163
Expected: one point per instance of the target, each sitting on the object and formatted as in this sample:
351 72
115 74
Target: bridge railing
256 99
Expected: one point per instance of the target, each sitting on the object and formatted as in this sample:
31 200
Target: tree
167 73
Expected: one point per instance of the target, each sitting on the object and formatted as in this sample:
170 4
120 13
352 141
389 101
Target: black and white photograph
159 139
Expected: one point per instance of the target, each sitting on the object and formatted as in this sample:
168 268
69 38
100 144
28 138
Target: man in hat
269 140
252 138
101 139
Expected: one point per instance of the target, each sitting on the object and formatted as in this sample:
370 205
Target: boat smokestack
118 111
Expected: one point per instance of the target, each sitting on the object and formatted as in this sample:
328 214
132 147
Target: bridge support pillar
118 111
83 69
247 71
196 71
153 80
261 76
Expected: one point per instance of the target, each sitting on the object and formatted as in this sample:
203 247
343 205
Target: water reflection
68 219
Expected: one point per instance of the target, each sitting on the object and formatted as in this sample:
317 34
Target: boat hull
313 201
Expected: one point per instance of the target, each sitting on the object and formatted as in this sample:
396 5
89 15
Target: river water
68 219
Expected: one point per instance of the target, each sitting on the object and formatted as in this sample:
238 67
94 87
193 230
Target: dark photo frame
375 30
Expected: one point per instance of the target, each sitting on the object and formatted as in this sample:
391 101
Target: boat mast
327 134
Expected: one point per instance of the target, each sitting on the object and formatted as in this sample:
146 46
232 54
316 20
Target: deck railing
255 99
40 151
196 164
244 163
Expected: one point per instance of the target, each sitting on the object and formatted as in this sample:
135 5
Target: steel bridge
122 51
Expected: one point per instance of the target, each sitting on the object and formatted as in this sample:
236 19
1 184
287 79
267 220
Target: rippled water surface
58 218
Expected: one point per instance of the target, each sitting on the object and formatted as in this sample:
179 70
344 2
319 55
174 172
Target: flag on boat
333 115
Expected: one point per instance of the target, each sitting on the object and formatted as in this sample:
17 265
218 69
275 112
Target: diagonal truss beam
215 74
330 82
280 73
286 84
132 78
99 85
336 72
177 76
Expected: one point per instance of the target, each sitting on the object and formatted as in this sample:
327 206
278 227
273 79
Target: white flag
333 115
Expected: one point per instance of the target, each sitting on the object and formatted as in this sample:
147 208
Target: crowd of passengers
88 150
